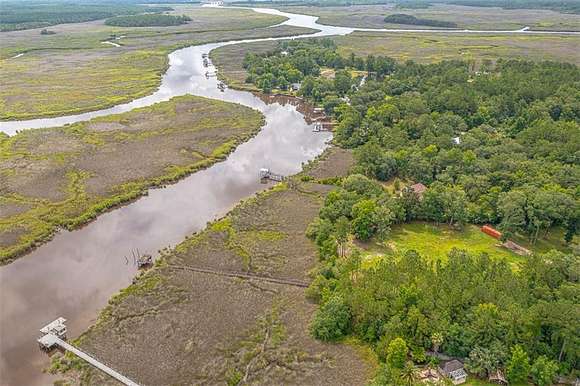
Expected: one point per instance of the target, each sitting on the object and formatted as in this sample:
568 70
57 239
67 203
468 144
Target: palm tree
409 374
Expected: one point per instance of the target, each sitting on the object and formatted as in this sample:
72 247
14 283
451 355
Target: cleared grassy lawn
478 382
424 48
436 241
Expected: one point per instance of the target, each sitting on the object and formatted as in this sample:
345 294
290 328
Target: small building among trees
418 189
453 370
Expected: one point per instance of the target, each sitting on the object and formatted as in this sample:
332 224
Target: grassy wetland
65 176
74 71
421 48
212 329
424 48
483 18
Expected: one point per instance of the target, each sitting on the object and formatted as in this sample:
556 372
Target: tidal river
77 272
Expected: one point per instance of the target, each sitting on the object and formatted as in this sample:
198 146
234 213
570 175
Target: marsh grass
226 124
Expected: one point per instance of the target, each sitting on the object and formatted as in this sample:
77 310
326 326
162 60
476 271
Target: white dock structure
52 334
322 126
266 174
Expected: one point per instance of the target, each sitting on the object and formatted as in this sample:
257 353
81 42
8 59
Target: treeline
568 6
300 61
401 18
147 20
503 142
19 15
412 4
506 140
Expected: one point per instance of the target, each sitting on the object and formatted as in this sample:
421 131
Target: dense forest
470 307
19 15
401 18
493 143
147 20
503 141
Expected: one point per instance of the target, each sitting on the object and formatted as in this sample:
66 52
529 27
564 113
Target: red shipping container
491 231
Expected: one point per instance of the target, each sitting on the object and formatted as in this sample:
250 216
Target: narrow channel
76 273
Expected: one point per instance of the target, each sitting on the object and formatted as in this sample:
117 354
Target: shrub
332 320
397 353
518 367
543 371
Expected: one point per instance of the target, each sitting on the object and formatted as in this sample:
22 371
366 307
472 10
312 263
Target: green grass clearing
436 241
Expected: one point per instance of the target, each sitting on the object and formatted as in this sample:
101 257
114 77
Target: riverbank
229 61
206 328
66 176
67 82
71 71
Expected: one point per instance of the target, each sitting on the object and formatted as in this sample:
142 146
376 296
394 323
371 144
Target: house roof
451 366
419 188
457 374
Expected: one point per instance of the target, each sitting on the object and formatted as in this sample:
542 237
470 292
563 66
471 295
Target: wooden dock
50 340
266 174
322 126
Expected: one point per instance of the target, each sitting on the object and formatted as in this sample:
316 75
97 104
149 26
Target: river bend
77 272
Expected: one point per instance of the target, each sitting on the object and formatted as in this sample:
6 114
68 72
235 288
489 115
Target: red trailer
489 230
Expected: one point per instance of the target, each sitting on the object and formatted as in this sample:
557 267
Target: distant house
417 189
453 370
295 86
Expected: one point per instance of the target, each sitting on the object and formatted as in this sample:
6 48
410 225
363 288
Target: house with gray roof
453 370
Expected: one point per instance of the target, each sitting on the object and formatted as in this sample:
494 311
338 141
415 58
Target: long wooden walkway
52 339
244 275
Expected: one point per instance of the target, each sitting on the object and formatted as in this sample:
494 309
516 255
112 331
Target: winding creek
77 272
